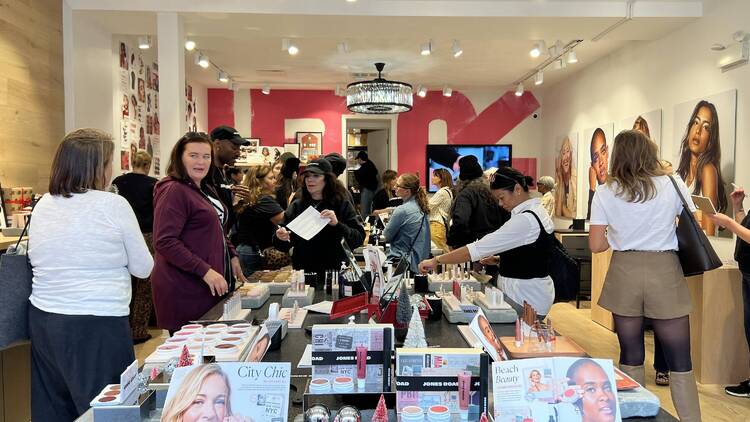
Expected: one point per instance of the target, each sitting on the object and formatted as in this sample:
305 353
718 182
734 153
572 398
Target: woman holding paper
645 278
322 251
521 243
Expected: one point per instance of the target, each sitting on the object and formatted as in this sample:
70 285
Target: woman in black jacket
475 212
323 251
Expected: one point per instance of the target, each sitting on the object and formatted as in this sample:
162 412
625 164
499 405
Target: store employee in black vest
226 143
522 242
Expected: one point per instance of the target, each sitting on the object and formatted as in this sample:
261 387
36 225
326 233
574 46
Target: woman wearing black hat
323 251
522 244
475 212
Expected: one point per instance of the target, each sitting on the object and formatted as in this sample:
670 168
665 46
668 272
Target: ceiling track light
572 57
289 46
556 59
447 91
519 89
539 78
202 60
540 48
232 86
426 48
189 45
223 77
343 47
266 89
456 49
144 42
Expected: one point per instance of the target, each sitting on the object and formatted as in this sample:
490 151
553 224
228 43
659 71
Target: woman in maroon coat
193 257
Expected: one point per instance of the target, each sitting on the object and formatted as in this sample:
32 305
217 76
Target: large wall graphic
464 125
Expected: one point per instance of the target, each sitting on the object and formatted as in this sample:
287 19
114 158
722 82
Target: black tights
674 335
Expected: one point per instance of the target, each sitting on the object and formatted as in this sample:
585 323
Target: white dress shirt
83 250
522 229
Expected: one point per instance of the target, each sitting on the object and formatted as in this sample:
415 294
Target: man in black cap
367 179
226 144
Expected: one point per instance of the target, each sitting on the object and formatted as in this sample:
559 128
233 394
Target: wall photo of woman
566 178
700 160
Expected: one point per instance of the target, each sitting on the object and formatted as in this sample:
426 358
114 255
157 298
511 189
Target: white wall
650 75
377 149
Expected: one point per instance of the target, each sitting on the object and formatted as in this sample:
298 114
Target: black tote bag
695 251
15 285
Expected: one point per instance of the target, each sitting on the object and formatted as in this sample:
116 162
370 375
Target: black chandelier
379 96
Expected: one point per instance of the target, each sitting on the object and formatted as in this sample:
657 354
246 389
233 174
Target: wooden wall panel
31 90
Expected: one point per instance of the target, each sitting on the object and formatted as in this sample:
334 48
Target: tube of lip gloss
464 391
519 333
361 367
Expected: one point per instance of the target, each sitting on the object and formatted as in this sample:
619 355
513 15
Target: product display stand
435 283
278 288
295 319
255 296
496 313
137 407
457 312
302 298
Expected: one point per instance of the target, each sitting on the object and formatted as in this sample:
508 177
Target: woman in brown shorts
635 214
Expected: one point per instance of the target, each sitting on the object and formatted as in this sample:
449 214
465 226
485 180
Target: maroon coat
188 240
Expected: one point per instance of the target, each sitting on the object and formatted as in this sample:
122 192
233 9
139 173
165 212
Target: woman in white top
440 208
84 244
520 242
634 213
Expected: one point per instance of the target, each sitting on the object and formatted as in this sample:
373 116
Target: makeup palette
320 386
109 396
235 340
438 413
218 326
412 414
343 385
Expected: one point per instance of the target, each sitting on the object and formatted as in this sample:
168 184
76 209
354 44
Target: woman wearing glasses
521 242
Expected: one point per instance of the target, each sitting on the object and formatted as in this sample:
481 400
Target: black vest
742 249
528 261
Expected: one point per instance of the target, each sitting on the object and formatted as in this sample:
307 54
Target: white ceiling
496 44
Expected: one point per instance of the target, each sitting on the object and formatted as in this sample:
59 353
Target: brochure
234 391
560 389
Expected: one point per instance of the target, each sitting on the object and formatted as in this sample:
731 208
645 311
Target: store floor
601 343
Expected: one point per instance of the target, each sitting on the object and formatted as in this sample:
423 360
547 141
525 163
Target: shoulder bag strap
679 193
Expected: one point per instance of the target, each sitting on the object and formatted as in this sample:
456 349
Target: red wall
463 123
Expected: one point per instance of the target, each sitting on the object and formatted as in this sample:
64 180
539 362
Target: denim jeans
365 202
250 259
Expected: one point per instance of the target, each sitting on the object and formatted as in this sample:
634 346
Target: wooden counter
6 241
717 336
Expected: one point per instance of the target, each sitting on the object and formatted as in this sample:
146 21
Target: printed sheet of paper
308 224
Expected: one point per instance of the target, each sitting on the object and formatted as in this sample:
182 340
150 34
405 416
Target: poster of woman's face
599 139
703 150
141 90
648 123
566 175
123 56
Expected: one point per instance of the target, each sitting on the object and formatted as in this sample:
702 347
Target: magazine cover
428 377
229 392
482 329
332 343
559 389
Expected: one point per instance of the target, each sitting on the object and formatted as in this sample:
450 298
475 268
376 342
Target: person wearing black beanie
475 212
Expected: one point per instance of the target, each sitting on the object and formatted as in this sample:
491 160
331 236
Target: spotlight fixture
519 89
189 45
144 43
232 86
457 50
266 89
223 77
447 91
421 91
540 47
539 78
288 46
426 49
572 57
202 60
343 47
351 1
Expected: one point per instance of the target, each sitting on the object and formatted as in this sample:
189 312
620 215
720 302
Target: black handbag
695 251
564 270
15 285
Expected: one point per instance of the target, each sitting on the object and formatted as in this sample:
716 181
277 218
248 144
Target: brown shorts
646 284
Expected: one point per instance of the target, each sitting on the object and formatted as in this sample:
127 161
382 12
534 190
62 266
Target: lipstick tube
361 367
464 391
519 333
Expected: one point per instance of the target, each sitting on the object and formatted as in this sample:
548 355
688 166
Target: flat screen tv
447 156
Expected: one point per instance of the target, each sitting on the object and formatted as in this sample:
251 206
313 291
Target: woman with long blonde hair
258 216
635 214
204 395
440 208
408 230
